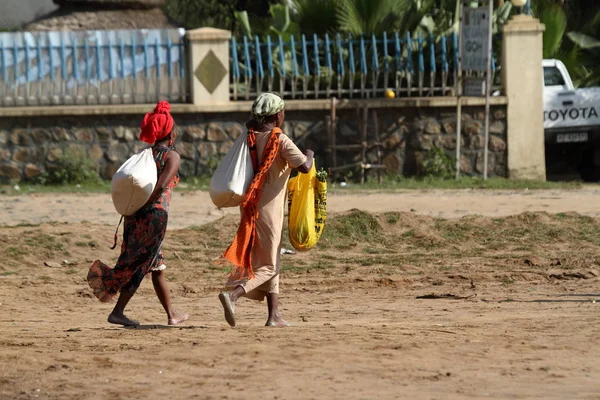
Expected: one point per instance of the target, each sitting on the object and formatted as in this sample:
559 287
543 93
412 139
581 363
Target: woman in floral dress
144 231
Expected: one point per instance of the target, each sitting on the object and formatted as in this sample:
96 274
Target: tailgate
572 110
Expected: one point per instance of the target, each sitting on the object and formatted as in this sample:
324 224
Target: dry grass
385 244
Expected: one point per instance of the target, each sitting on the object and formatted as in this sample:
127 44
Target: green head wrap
265 105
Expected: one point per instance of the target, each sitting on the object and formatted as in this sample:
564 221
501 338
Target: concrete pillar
523 79
208 58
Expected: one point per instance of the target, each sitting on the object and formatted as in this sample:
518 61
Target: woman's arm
171 168
292 154
304 168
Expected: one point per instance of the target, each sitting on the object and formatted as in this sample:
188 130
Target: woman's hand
304 168
171 168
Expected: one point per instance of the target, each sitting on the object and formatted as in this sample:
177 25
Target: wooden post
332 137
362 116
488 87
378 145
363 140
459 89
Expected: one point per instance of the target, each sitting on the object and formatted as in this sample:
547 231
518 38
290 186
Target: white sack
134 182
234 174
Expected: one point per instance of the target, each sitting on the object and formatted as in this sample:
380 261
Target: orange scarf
239 252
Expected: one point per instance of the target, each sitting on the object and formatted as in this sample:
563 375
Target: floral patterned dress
141 250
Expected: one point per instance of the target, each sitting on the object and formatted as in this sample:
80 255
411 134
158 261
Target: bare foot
178 318
121 320
277 323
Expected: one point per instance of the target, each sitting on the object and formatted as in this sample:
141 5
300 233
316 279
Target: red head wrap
157 124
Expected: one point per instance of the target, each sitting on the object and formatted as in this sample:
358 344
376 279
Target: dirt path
195 208
525 325
351 343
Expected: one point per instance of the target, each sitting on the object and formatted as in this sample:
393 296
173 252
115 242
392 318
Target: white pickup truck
571 122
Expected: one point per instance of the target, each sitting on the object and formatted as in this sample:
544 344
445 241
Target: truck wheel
590 175
589 170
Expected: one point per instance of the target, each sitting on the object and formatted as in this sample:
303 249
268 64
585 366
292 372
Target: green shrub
438 164
212 163
70 168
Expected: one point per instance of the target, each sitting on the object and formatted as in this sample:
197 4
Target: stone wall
31 145
408 134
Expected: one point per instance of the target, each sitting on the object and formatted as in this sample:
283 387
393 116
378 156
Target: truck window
553 77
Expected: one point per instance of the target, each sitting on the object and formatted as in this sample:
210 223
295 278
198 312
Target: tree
571 35
317 16
587 43
367 17
554 17
361 17
191 14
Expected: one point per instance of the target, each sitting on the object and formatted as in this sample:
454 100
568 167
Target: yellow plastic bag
307 203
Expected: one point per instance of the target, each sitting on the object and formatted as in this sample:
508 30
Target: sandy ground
195 208
521 330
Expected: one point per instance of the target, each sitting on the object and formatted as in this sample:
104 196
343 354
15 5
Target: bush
438 164
70 168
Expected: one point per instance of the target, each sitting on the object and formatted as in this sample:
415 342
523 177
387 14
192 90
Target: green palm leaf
366 17
316 16
555 19
584 41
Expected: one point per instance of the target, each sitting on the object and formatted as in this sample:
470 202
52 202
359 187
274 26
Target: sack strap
116 232
254 150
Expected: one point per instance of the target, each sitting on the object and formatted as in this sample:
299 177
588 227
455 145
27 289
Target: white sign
474 87
476 27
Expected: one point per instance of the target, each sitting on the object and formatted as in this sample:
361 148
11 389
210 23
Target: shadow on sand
551 300
150 327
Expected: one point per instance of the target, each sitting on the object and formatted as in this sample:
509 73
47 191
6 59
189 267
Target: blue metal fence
92 67
143 66
345 66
